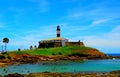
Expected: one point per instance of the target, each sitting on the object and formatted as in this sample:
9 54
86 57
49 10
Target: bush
79 54
9 57
2 57
19 49
53 53
60 53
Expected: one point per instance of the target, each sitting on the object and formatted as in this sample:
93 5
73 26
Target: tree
5 40
19 49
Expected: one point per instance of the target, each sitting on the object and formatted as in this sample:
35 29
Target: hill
58 53
63 51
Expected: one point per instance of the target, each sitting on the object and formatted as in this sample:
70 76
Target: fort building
58 41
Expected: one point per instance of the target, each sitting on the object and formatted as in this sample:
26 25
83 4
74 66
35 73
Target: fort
58 41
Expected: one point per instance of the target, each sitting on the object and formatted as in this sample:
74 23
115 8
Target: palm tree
5 40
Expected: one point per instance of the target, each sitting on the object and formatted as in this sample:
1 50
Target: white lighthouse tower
58 31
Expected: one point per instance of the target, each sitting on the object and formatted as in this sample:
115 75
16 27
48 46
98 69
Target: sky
95 22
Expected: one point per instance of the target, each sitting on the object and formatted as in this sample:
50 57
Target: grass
69 50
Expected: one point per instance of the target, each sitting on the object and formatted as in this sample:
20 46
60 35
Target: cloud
110 39
73 16
96 22
102 42
106 39
116 29
114 34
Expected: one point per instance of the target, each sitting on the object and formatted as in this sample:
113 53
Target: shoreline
34 56
66 74
24 59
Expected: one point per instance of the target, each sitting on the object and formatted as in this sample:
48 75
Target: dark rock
115 72
14 75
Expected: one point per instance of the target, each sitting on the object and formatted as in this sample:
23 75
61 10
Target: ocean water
113 54
105 65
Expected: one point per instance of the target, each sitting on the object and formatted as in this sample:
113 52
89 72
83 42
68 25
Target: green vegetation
70 50
9 57
79 54
2 57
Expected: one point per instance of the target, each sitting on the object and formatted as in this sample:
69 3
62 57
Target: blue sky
95 22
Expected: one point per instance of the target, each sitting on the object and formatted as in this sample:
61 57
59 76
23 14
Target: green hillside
51 54
70 50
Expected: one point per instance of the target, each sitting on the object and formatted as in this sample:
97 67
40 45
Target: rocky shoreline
26 58
56 74
64 53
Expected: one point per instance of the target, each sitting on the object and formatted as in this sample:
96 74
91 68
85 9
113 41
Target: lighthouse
58 41
58 31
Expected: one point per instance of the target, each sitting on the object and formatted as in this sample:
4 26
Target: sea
113 54
103 65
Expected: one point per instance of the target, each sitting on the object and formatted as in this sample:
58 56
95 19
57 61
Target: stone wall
46 45
59 44
72 44
82 44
